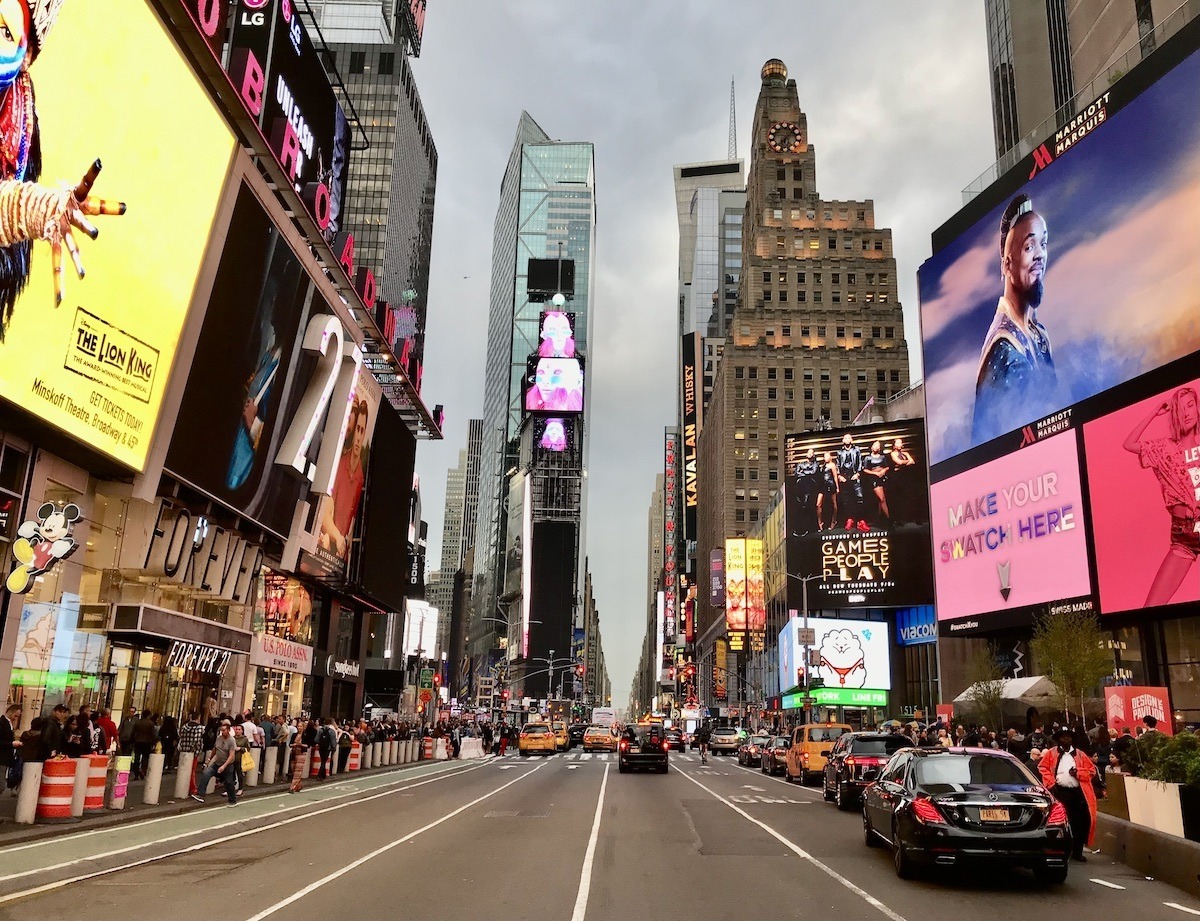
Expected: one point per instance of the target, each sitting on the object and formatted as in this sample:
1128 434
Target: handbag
247 761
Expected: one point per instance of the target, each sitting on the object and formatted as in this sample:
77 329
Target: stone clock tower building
817 334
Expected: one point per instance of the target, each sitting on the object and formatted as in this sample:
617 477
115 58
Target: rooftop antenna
732 122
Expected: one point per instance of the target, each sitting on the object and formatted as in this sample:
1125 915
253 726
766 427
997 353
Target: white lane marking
585 876
796 787
329 877
142 823
1104 882
572 767
586 756
747 786
48 887
801 853
1190 911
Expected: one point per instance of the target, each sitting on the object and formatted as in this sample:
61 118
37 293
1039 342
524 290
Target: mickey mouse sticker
41 544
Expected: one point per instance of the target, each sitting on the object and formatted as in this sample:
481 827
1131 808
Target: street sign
426 680
806 636
425 695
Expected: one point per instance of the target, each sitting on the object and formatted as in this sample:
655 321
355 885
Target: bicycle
703 752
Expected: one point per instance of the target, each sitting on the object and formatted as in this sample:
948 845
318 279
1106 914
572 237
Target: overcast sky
896 95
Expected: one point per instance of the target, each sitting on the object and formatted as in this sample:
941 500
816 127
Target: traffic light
504 694
437 680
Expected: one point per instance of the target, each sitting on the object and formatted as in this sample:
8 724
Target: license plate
993 815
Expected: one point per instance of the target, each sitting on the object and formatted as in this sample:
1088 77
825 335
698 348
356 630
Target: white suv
725 740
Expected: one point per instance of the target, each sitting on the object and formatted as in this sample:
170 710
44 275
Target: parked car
852 755
774 755
952 806
811 745
750 751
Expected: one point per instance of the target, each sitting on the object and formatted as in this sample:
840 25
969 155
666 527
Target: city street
561 837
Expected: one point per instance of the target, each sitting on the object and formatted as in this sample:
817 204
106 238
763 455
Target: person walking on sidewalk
220 763
10 759
168 735
243 746
305 738
142 736
106 723
1069 773
326 746
191 739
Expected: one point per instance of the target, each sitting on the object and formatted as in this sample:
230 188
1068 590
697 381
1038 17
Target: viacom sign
916 625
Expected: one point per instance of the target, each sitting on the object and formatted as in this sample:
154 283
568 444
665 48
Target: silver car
725 740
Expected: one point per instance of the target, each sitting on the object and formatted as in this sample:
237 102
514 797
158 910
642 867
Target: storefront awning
158 628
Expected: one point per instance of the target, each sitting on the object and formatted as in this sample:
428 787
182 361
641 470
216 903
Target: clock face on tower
784 137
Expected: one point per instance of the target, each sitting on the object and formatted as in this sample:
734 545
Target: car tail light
926 813
850 761
666 746
1058 814
624 746
804 757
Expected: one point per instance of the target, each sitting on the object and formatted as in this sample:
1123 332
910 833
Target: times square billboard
857 516
1061 380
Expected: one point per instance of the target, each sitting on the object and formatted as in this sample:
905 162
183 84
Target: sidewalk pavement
135 810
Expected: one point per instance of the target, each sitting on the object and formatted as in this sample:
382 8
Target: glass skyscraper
547 208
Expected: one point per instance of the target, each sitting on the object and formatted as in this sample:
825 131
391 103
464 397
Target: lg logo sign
254 18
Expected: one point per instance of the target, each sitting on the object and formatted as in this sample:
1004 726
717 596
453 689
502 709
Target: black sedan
643 747
955 806
575 734
675 739
852 756
750 751
774 755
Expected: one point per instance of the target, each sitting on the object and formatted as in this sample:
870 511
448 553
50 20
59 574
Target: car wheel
621 769
825 793
665 768
1050 876
524 754
870 839
803 777
841 797
904 863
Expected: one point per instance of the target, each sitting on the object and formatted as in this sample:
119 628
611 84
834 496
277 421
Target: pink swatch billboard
1143 465
1010 535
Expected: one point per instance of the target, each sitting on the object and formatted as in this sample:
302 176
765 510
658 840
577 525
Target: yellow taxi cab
810 748
599 738
562 740
536 737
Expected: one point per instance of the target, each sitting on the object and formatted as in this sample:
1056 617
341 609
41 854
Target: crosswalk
610 756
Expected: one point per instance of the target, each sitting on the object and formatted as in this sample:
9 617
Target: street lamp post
807 636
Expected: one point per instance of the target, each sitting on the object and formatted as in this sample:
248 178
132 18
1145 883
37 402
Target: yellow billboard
735 591
108 191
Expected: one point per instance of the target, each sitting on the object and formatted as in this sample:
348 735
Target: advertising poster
283 84
756 594
735 591
283 609
247 376
556 334
1127 706
90 351
1143 466
339 511
716 579
553 434
693 411
855 660
857 513
670 542
1010 534
1040 305
720 670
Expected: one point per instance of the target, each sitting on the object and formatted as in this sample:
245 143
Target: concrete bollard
307 768
376 754
405 751
27 793
183 774
153 784
82 767
365 763
395 751
388 756
120 786
270 763
252 775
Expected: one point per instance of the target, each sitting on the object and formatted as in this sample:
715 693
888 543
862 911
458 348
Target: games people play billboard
122 123
1079 278
857 515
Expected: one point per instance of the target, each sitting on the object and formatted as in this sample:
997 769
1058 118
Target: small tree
1071 650
986 693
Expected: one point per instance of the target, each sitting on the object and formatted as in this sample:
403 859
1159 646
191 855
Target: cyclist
703 734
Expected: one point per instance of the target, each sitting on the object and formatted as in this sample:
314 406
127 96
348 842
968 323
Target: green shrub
1171 759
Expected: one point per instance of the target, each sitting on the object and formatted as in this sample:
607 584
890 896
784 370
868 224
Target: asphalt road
563 837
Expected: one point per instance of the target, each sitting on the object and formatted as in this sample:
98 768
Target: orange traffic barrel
316 761
97 778
429 741
355 756
54 795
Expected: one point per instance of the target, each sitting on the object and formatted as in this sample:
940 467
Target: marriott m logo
1027 436
1041 159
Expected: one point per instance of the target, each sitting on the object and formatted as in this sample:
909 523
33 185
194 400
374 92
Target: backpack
326 738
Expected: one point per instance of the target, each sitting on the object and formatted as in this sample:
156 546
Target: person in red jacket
1069 773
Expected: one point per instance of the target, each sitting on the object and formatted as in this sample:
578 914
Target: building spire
732 122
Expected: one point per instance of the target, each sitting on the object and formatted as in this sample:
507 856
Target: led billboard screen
554 385
1056 295
735 591
857 514
282 82
855 658
556 332
1143 468
95 364
553 433
1010 535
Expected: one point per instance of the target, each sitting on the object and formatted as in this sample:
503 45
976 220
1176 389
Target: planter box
1155 805
1115 803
